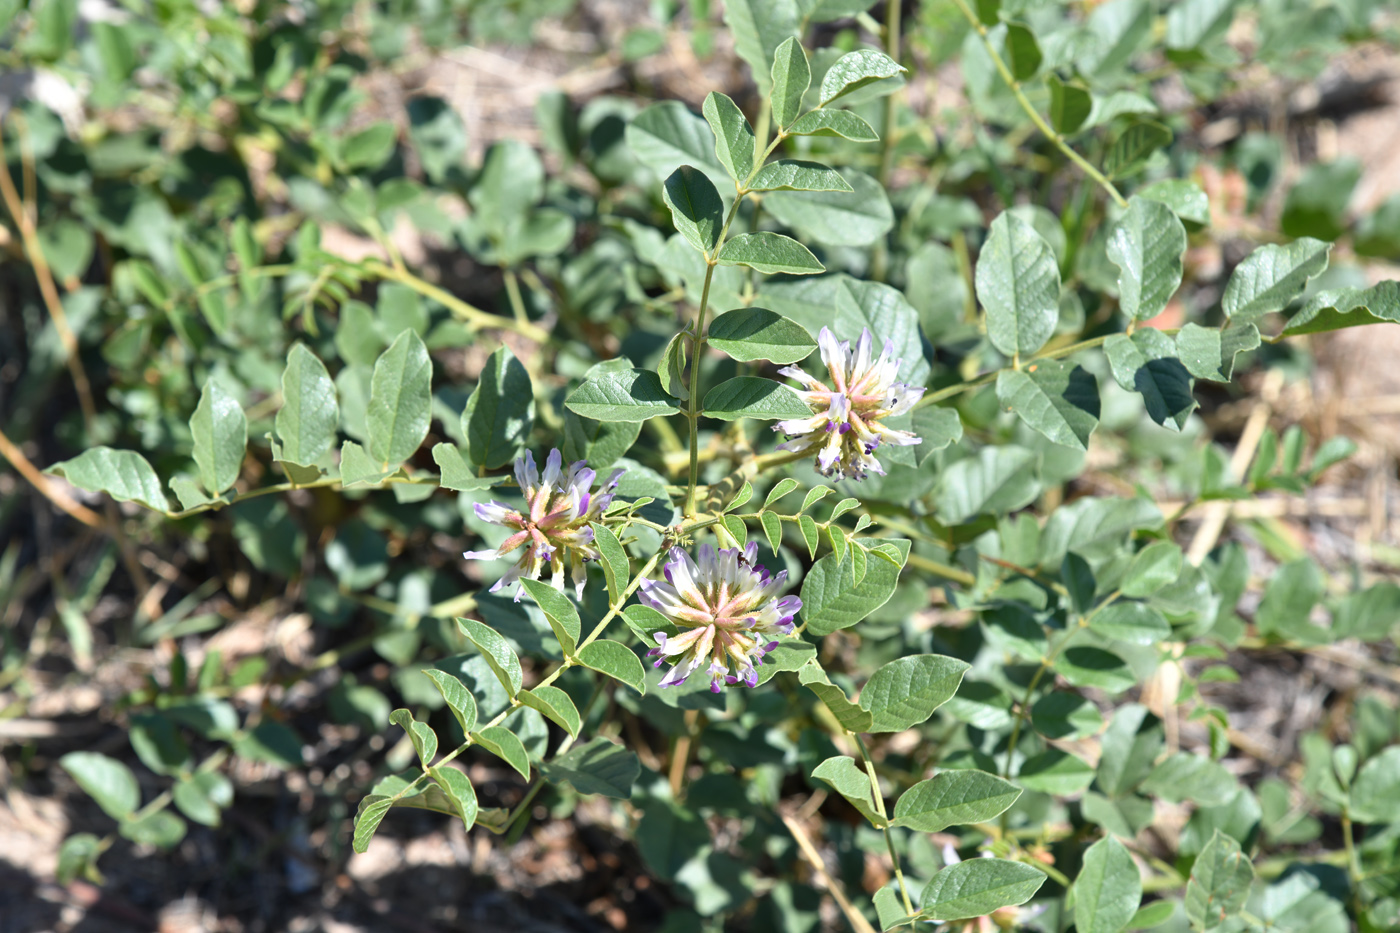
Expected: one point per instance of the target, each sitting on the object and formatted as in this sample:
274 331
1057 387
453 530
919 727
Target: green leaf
124 475
621 395
769 253
666 136
272 742
456 472
596 767
106 780
759 28
995 481
1193 22
1060 715
1108 889
1186 199
850 782
977 887
1272 276
1208 353
936 429
734 141
1070 104
616 660
792 75
1055 772
796 175
1347 307
696 208
905 692
370 147
558 611
203 796
953 798
499 413
1094 667
162 829
425 740
988 12
889 909
373 808
307 421
1147 363
1059 399
840 591
748 334
220 431
505 745
1134 146
1219 883
438 134
645 622
855 70
458 698
356 467
400 400
1151 569
851 717
613 559
1022 52
1152 915
497 652
555 705
1186 776
754 397
1018 283
839 123
1376 788
859 217
1146 244
1137 623
458 788
1130 745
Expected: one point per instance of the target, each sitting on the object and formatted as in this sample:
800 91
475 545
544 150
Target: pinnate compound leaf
505 745
458 698
459 791
769 253
220 431
851 717
498 654
124 475
850 782
1018 283
1108 889
792 75
978 886
1146 244
953 798
621 395
1219 883
400 400
1348 307
748 334
754 397
307 421
1208 353
796 175
106 780
1147 363
734 141
1059 399
696 208
596 767
855 70
554 704
558 611
839 123
905 692
1272 276
500 412
424 739
616 660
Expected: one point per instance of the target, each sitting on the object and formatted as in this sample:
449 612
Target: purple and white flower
727 610
553 526
845 430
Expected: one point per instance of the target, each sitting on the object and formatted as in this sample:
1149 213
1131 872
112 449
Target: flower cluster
845 428
553 526
727 611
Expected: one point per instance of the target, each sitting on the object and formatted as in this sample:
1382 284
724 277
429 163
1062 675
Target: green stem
880 257
1045 128
885 827
461 309
517 303
1052 354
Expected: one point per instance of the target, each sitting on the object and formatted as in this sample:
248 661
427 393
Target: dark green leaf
1146 244
769 253
953 798
106 780
124 475
977 887
555 705
905 692
1094 667
505 745
499 413
1147 363
791 77
616 660
459 791
1070 104
220 431
749 334
734 141
306 422
795 175
1134 146
1208 353
1022 51
596 767
852 783
839 123
855 70
558 611
458 698
840 591
1108 889
1018 283
621 395
851 717
666 136
497 652
1129 746
1055 772
1272 276
1058 398
696 208
754 397
1060 715
400 401
425 740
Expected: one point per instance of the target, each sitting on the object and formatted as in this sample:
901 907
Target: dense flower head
727 610
553 526
845 430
